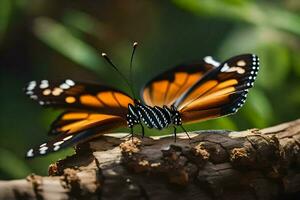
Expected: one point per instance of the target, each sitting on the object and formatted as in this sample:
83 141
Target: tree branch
251 164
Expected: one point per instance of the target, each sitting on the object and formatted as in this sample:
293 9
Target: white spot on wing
31 85
42 152
241 63
67 138
211 61
56 148
64 86
43 148
44 84
70 82
58 143
42 145
30 153
34 97
225 67
46 92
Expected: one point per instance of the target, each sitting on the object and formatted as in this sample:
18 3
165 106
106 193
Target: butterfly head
137 101
176 117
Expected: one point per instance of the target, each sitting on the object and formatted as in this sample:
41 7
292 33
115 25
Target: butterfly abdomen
152 117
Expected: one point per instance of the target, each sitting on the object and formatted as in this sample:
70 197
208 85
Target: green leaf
258 109
12 165
283 19
274 65
296 62
83 22
218 8
244 40
5 14
294 96
41 164
259 14
61 39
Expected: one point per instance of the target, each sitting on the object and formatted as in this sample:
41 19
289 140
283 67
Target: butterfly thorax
153 117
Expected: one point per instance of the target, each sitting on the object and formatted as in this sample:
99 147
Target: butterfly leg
186 133
175 134
131 132
143 130
126 136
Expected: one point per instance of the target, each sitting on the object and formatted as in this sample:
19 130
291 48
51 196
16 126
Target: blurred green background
54 39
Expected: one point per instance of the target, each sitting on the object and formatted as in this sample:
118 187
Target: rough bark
251 164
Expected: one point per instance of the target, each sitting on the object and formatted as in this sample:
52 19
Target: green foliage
258 109
260 14
12 165
59 38
5 14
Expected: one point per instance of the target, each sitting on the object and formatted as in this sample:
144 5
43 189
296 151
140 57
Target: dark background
54 39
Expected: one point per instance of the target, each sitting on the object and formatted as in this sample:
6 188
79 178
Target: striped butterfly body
184 94
153 117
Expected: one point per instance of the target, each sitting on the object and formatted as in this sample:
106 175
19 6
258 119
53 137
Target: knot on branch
260 153
178 162
131 146
36 182
71 180
53 169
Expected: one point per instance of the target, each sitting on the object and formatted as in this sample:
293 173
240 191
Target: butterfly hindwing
69 94
168 86
72 122
76 127
221 91
210 108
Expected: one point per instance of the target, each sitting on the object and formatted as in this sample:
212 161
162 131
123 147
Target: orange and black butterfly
187 93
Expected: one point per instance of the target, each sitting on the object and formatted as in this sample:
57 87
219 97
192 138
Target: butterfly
186 93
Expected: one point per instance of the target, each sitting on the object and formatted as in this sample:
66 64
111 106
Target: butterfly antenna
104 55
135 44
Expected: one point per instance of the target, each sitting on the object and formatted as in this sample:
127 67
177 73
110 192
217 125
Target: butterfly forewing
221 91
68 94
167 87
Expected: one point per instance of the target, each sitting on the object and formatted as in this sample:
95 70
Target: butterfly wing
91 110
73 95
221 91
71 122
77 127
168 86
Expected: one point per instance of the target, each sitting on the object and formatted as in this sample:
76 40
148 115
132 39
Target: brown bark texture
251 164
